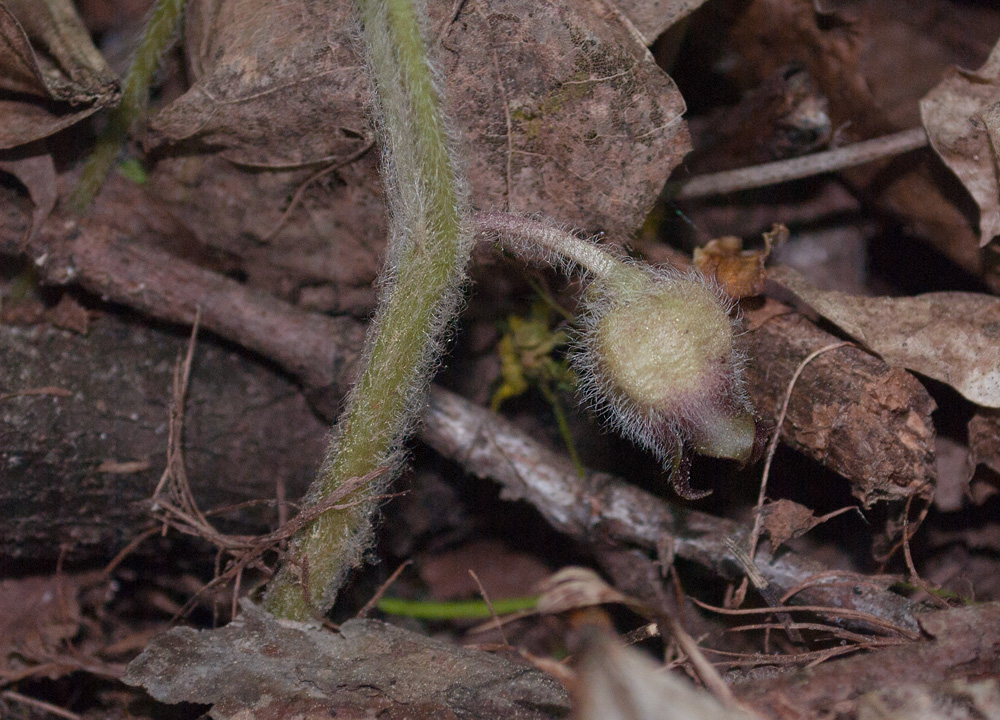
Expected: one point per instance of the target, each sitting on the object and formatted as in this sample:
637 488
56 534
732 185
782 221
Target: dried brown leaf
39 614
652 17
619 683
953 337
740 272
962 119
37 173
561 109
261 97
51 75
261 667
984 439
785 519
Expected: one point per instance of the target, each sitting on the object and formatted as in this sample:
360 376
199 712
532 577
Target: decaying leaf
51 75
619 683
740 272
261 667
652 17
561 108
40 615
953 337
962 119
288 98
573 588
37 172
984 439
785 519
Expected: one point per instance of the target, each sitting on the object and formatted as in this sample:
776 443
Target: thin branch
758 176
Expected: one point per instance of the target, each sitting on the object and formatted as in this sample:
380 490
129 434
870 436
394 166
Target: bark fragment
848 410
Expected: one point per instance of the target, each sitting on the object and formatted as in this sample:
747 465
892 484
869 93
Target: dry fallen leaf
41 614
619 683
962 119
561 108
984 439
953 337
785 519
740 272
288 98
37 172
652 17
51 75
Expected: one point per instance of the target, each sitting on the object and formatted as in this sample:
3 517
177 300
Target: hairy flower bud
657 353
658 356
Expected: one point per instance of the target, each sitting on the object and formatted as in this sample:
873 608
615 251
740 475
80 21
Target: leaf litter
584 132
953 337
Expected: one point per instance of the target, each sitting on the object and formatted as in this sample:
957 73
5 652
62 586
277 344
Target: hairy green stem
429 250
533 239
157 36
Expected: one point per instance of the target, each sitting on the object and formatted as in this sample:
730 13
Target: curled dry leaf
785 519
573 588
962 119
561 108
51 75
740 272
37 172
953 337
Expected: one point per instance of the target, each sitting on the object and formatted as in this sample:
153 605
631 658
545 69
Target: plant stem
429 249
532 239
157 36
455 609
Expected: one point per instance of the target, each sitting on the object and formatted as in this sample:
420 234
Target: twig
836 612
601 508
758 176
297 197
56 391
373 601
40 704
486 598
771 449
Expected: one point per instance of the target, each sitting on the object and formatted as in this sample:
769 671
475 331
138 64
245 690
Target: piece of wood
848 409
84 428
